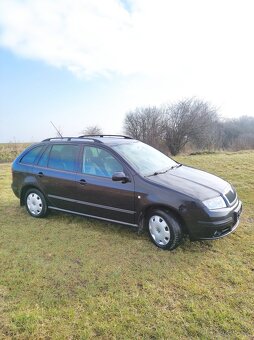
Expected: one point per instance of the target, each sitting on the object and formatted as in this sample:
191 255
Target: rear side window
32 155
63 157
44 158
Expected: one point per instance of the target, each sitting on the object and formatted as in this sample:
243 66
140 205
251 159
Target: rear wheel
164 229
35 203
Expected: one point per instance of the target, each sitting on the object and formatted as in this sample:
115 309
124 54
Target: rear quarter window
31 155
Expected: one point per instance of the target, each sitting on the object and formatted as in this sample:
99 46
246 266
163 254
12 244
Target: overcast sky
87 62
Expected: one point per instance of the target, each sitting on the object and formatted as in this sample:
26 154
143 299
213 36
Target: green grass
66 277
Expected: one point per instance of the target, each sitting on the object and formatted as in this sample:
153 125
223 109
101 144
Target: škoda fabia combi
119 179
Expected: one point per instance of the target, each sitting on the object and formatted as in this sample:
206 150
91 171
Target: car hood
192 182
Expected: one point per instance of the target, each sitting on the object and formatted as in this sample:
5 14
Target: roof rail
66 139
56 138
102 135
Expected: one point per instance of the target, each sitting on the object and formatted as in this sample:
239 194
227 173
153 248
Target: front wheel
35 203
164 229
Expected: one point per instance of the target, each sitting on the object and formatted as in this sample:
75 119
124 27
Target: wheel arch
165 208
25 189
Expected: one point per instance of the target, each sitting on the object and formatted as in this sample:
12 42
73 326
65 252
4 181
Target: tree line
187 125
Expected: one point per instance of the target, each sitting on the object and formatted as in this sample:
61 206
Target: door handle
40 174
82 182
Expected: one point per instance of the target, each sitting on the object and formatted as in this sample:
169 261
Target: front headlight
215 203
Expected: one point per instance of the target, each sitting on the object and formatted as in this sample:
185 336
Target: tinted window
63 157
44 158
99 162
31 156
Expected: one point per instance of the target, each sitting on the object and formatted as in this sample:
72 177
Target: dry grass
9 151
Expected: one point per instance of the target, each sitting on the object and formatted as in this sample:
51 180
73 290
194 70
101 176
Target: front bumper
218 226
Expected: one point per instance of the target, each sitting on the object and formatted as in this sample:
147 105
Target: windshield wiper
164 171
178 165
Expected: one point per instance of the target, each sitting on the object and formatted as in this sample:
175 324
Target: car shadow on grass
127 232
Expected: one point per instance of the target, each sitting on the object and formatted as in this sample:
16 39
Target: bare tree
92 130
145 124
214 137
238 134
244 141
191 121
188 120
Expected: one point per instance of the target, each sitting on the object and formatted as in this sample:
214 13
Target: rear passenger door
97 194
56 172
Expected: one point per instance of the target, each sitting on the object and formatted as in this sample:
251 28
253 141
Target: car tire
164 229
35 202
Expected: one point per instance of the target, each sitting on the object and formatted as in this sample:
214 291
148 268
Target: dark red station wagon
122 180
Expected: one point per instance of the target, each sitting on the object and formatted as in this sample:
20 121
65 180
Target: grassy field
66 277
9 151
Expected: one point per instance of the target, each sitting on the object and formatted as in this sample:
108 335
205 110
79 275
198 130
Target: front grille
231 195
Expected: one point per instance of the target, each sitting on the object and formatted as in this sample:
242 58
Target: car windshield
145 159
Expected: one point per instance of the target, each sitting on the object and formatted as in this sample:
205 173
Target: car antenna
58 132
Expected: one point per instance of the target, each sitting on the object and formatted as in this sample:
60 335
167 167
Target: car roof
98 139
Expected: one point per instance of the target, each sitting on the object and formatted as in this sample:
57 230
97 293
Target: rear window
32 155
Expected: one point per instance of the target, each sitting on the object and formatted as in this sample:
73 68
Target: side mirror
120 177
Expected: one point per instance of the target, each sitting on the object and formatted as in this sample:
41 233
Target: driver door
97 194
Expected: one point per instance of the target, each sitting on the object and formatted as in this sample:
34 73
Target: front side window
99 162
31 155
63 157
